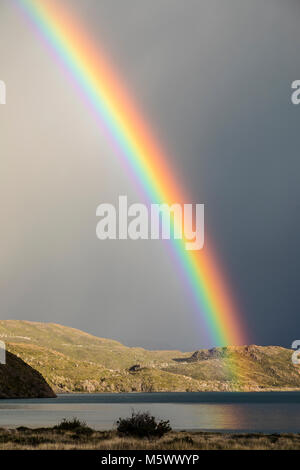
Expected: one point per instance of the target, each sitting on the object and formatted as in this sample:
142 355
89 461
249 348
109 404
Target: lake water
247 412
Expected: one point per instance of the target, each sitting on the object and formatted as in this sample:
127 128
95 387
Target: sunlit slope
80 345
73 361
242 368
64 374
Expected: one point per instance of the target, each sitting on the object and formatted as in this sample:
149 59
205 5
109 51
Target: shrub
142 424
75 425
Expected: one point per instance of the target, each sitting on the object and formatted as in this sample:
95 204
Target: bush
75 425
142 424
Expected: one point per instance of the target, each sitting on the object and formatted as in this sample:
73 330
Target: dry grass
51 439
73 361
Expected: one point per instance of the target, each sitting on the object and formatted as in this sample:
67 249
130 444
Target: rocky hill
73 361
19 380
245 368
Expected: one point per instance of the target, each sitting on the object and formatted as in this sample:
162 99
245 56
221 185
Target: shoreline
134 393
268 390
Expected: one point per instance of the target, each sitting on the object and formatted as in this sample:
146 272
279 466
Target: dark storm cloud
214 79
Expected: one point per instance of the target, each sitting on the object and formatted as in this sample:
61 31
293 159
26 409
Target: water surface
220 411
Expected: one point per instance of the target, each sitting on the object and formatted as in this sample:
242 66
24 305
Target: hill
74 361
81 346
19 380
244 368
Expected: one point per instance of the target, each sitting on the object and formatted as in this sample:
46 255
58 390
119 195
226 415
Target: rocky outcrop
207 354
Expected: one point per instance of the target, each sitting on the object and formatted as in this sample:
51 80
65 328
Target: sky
214 82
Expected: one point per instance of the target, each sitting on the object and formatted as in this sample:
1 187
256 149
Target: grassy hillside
251 368
81 346
65 374
74 361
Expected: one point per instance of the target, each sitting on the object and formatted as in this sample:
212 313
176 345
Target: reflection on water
261 412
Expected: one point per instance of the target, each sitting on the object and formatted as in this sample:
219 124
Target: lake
213 411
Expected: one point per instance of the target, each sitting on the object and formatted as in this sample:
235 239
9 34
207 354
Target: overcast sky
214 80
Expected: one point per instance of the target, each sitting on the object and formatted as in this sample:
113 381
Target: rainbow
131 138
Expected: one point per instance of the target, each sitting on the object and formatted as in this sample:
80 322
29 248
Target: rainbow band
130 136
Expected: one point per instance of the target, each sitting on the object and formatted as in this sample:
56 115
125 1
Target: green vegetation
70 439
74 425
81 346
247 368
65 374
141 425
73 361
